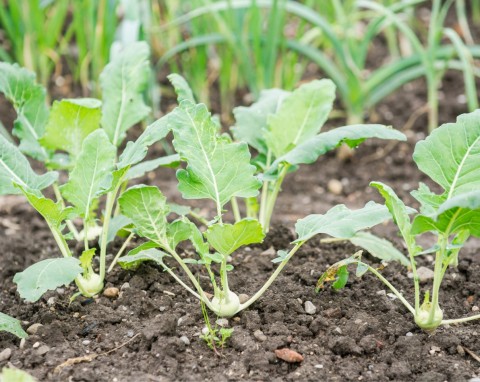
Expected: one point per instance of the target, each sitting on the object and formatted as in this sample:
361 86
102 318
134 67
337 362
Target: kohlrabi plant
78 142
221 170
450 156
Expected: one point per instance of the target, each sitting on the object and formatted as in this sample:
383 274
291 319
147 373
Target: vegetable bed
150 330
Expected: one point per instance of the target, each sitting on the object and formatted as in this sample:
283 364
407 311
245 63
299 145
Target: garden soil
150 331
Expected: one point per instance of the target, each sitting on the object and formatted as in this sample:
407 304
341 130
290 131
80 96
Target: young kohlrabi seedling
80 138
220 170
451 157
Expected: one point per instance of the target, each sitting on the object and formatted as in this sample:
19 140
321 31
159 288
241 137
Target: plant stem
60 240
224 279
106 223
272 198
196 216
272 278
171 273
122 249
235 209
264 197
59 197
460 320
437 277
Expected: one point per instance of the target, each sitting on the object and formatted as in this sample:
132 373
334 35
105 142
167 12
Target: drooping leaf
122 81
53 213
251 122
117 224
14 168
309 151
378 247
146 207
147 253
70 122
341 222
281 255
46 275
450 155
136 151
342 278
92 173
184 92
457 214
226 238
217 169
338 272
142 168
28 98
300 116
11 325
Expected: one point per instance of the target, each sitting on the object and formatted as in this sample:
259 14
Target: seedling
213 336
220 170
450 156
11 325
80 138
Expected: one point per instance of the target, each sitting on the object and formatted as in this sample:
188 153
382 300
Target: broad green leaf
460 213
136 151
178 231
179 209
300 117
133 260
142 168
46 275
378 247
70 122
251 121
217 169
15 168
117 224
53 213
146 207
311 149
184 92
429 201
226 238
11 325
450 155
28 98
92 173
341 222
15 375
122 81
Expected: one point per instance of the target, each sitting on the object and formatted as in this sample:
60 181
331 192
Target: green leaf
146 207
429 201
309 151
178 231
341 222
11 325
135 151
300 116
457 214
28 98
142 168
15 168
92 173
226 238
133 260
450 155
86 259
15 375
251 122
181 88
53 213
342 278
281 256
70 122
378 247
46 275
338 272
117 224
217 169
179 209
122 81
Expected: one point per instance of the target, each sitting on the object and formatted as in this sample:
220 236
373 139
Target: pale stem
235 209
272 278
272 198
437 278
106 223
171 273
224 279
263 198
69 223
198 217
120 252
460 320
60 240
416 280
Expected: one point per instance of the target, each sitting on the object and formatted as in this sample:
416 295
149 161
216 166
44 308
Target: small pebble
130 333
5 354
61 291
289 355
424 274
434 349
338 330
381 293
44 349
111 292
125 286
460 350
409 334
33 329
205 330
269 252
86 342
475 308
258 334
51 301
223 322
36 345
474 379
185 340
310 308
162 308
335 186
243 298
318 366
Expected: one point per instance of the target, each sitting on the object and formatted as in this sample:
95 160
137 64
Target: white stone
310 308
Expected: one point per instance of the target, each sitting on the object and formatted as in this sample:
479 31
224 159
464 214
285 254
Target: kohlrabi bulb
227 306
